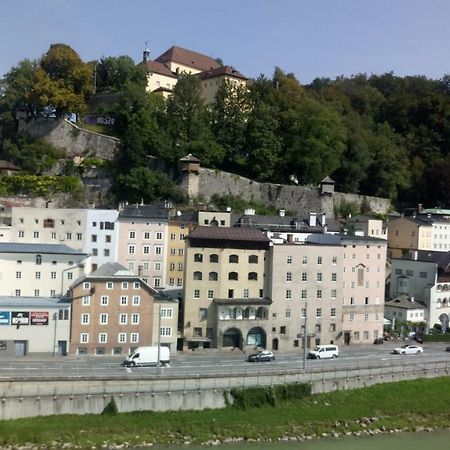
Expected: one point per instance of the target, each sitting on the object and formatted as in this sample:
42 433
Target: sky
310 38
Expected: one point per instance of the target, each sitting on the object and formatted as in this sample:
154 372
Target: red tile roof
188 58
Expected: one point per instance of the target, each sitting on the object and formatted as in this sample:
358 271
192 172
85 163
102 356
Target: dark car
378 341
264 355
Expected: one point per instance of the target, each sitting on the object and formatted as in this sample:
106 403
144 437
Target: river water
408 441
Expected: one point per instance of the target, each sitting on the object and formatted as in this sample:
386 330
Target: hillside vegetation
379 135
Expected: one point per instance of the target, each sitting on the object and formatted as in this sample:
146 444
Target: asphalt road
218 362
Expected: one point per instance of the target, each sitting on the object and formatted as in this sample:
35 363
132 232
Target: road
214 362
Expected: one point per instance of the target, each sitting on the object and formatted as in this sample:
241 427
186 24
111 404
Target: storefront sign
4 317
39 318
20 318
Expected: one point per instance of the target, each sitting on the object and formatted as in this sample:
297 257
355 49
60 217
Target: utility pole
305 335
158 362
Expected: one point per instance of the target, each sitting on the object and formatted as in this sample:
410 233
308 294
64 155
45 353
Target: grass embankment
408 405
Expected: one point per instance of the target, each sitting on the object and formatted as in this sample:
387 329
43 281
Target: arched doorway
257 337
443 318
232 338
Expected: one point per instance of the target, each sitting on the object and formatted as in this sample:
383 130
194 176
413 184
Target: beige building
225 297
364 266
409 233
306 290
367 226
113 312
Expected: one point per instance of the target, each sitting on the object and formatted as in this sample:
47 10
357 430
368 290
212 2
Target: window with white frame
159 235
86 285
333 312
304 276
158 266
109 285
123 319
246 293
102 338
18 275
319 312
53 275
210 294
196 293
352 317
85 319
136 285
319 276
158 250
37 275
146 235
304 260
122 338
131 249
146 249
166 313
288 276
103 319
288 293
86 300
319 293
124 284
84 338
124 300
304 293
104 300
52 293
134 338
166 331
36 293
70 275
334 276
156 282
132 235
333 293
135 319
289 260
136 300
319 260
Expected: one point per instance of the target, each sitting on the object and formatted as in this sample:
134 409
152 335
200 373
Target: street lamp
305 334
55 319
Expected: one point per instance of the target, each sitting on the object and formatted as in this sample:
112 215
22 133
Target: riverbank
403 406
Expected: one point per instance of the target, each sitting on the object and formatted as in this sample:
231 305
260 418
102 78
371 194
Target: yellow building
179 227
409 233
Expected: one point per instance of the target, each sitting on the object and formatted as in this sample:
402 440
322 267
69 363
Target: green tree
114 74
63 82
188 124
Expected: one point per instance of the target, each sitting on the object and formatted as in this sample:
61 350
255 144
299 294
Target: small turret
146 53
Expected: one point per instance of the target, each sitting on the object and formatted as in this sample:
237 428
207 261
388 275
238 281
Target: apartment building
409 233
425 276
113 312
367 226
89 230
180 225
306 292
143 241
40 270
225 297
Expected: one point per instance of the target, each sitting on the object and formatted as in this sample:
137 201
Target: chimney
411 299
282 212
312 219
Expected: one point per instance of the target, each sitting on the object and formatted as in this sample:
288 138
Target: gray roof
229 234
442 259
112 269
34 302
343 239
144 212
61 249
404 302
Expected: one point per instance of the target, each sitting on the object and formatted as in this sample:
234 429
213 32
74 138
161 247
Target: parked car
378 341
410 349
263 355
447 349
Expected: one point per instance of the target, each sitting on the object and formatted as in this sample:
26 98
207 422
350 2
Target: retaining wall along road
86 395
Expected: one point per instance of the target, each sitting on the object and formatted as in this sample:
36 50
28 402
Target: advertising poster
39 318
4 317
20 318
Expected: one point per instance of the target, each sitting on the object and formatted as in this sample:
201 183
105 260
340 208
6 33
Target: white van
148 356
324 351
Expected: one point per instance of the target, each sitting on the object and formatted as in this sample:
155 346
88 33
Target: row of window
233 259
68 236
38 275
410 273
147 235
104 300
304 259
110 285
210 293
352 317
304 293
122 338
48 223
214 276
85 319
145 249
304 277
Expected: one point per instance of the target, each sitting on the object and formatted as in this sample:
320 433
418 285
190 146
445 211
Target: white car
408 350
